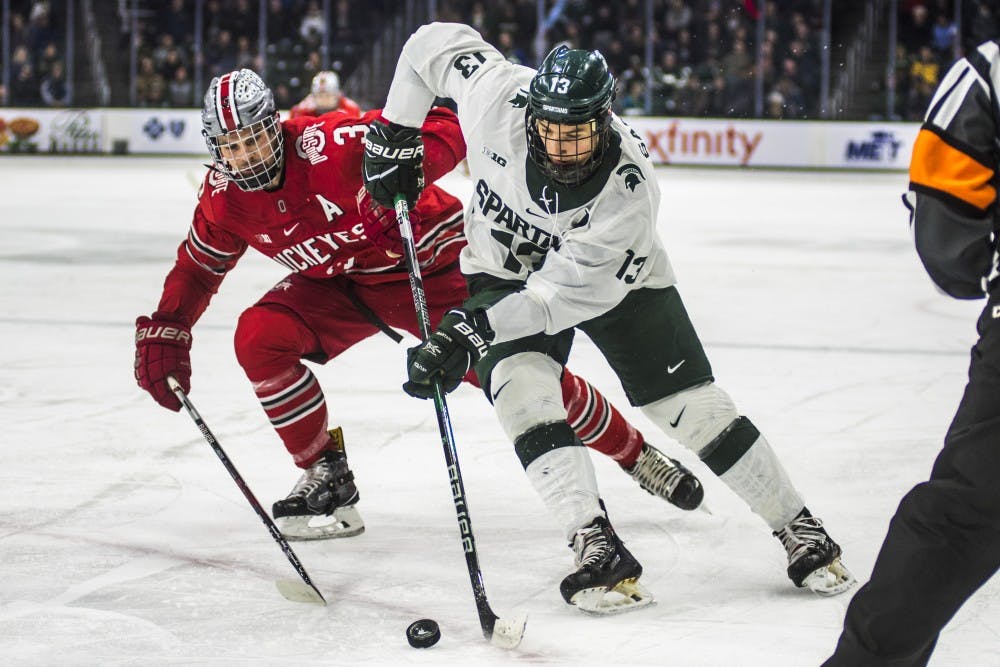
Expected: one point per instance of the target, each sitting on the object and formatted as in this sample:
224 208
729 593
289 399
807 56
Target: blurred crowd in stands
704 52
295 34
37 58
928 43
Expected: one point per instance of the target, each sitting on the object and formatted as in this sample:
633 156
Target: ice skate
813 556
667 478
322 504
607 577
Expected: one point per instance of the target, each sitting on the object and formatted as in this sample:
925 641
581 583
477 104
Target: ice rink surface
123 540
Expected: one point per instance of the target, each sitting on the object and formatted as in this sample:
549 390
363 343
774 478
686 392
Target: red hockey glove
381 227
162 348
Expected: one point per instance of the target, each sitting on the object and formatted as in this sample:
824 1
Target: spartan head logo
632 175
520 100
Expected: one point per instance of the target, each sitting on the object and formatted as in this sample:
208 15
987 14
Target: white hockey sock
759 479
564 478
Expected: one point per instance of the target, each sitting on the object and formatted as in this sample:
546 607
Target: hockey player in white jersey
562 236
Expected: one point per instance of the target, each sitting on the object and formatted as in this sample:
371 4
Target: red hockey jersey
310 224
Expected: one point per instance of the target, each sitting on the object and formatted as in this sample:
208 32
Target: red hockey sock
597 423
296 407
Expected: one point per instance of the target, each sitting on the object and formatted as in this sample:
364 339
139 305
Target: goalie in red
325 96
290 190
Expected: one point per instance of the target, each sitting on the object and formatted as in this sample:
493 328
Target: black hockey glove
462 338
394 157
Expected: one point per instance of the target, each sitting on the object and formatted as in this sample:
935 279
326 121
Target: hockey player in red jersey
290 190
325 96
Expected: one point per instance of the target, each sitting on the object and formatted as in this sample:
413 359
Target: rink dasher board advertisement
670 141
33 131
784 143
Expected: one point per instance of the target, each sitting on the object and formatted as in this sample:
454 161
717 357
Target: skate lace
656 473
591 546
801 535
314 477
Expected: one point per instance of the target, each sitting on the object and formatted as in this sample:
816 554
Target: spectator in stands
40 31
181 93
916 30
788 85
283 96
718 96
48 57
221 54
150 86
242 19
175 20
24 91
924 73
280 21
19 57
171 63
18 29
505 45
633 102
775 109
163 47
740 94
245 56
692 99
54 90
313 25
944 37
737 61
983 24
678 17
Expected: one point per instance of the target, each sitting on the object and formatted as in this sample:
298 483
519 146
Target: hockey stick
505 633
296 591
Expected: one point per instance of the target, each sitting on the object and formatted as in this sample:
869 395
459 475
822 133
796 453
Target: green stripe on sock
722 453
542 439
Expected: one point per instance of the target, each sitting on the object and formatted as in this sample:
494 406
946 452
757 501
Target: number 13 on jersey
630 268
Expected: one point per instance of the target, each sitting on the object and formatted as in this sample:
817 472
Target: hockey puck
423 633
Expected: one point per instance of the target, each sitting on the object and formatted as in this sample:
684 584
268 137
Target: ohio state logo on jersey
310 145
216 180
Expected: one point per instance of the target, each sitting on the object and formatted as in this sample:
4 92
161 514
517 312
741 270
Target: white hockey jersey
579 250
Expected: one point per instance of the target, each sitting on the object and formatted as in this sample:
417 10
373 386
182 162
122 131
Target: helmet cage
252 156
579 154
572 88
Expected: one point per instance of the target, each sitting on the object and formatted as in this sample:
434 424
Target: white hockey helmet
326 90
241 127
325 83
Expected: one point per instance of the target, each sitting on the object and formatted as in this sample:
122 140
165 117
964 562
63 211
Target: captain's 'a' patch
631 174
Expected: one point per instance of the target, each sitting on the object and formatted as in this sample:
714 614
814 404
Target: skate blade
299 591
344 522
832 579
628 595
507 633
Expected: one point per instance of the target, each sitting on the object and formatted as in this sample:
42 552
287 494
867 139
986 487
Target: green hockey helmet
569 114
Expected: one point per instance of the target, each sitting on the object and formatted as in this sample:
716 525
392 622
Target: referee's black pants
944 540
